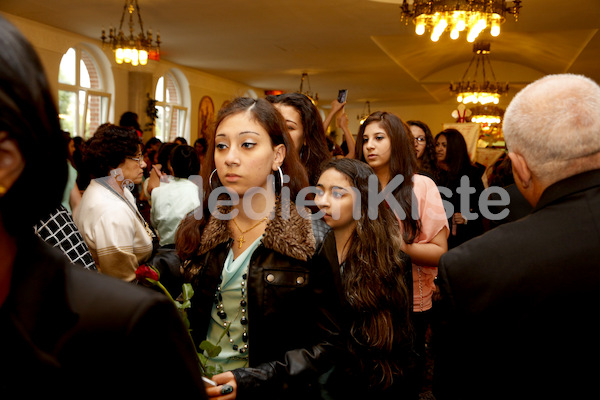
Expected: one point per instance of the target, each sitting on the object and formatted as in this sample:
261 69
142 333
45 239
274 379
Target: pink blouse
433 220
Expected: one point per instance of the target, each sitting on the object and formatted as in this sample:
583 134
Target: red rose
146 272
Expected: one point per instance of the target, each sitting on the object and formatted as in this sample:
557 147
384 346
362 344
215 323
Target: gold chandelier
484 91
314 98
134 49
457 16
487 115
365 113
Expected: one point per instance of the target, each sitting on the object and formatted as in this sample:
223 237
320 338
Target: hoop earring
280 180
280 176
210 178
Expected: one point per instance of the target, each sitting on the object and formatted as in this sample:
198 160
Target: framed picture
206 115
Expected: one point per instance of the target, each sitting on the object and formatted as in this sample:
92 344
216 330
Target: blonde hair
554 123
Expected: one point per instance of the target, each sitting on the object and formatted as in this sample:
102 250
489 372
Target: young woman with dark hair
424 149
305 127
388 147
376 285
261 270
455 163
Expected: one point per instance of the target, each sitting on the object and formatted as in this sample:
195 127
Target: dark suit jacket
72 333
518 206
521 303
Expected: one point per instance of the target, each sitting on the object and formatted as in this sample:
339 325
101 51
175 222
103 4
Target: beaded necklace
242 310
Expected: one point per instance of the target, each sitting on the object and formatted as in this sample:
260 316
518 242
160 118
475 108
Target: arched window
171 111
83 99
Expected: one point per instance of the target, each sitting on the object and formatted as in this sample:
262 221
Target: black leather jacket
292 299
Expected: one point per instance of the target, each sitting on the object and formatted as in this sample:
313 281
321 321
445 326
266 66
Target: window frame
80 117
166 124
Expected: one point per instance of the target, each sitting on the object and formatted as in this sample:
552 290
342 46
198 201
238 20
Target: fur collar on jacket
289 234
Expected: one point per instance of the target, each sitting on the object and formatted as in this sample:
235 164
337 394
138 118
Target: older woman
118 236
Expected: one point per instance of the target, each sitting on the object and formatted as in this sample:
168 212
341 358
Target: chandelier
457 16
365 113
134 49
486 115
314 98
484 91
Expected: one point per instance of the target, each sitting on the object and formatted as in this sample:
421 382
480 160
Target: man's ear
521 170
11 163
280 152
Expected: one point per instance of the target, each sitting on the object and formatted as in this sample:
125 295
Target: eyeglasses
420 140
139 160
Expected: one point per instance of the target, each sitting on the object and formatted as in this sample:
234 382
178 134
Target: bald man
520 303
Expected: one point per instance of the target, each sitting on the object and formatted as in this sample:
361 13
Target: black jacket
292 300
473 227
520 303
347 380
70 333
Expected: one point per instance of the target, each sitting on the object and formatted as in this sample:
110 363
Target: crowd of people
319 276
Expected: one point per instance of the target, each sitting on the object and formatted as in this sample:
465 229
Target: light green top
72 178
231 285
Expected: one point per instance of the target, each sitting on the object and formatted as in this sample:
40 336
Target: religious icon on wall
206 115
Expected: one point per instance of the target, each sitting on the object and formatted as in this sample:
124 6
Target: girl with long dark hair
373 274
259 266
388 147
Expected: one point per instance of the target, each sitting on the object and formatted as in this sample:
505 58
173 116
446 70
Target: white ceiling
358 45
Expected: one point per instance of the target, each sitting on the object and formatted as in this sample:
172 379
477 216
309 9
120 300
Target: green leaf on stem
211 349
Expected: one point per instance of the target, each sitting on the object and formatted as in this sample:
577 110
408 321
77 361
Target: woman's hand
336 106
459 219
342 120
226 388
156 177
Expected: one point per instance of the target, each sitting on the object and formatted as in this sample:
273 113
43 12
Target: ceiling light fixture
457 16
365 113
487 115
484 91
134 49
308 92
